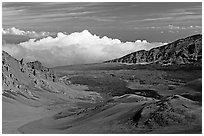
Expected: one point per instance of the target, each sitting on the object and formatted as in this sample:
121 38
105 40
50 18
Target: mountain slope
182 51
31 91
35 85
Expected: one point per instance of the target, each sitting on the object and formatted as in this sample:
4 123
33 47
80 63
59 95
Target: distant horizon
101 61
89 32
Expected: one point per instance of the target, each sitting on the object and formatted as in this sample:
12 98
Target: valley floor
15 114
134 101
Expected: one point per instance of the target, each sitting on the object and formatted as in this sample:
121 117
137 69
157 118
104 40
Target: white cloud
170 27
16 31
75 48
171 31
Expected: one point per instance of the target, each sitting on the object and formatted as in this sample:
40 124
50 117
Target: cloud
155 19
75 48
16 31
171 27
170 31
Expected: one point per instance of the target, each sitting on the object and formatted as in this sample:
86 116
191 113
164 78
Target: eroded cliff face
33 84
46 72
18 78
183 51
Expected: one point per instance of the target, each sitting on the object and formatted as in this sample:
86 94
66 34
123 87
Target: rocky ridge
19 77
183 51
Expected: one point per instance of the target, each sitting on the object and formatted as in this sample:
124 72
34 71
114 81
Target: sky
114 27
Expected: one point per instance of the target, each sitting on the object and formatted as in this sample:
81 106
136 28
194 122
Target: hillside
31 91
183 51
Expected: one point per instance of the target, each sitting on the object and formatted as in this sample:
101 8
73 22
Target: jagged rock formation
183 51
37 66
26 82
19 77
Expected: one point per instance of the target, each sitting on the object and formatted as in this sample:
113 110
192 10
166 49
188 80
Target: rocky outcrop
37 65
18 76
183 51
35 85
47 73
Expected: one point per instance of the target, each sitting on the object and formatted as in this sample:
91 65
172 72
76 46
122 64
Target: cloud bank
75 48
16 31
